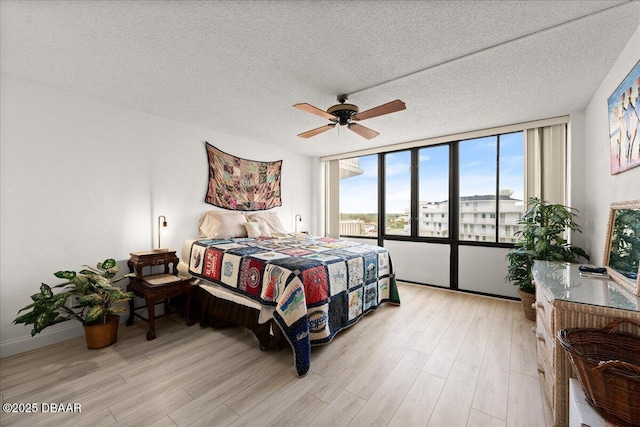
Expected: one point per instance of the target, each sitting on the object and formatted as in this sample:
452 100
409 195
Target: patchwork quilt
318 285
240 184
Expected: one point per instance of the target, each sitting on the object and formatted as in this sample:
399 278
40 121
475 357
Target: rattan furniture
157 288
607 363
564 299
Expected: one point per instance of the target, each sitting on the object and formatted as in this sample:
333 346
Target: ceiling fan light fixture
345 114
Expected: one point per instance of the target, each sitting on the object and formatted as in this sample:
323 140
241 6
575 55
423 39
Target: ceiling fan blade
389 107
314 132
315 110
363 131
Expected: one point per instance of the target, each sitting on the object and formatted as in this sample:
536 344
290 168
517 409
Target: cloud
423 157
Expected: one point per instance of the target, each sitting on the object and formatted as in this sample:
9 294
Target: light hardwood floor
440 359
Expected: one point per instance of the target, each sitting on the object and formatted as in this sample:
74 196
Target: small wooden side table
156 288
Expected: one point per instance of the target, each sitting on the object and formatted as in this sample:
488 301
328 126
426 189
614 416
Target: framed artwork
624 123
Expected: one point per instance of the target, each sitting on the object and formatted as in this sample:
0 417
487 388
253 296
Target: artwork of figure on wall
624 123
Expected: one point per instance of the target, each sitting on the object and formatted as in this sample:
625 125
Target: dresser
564 299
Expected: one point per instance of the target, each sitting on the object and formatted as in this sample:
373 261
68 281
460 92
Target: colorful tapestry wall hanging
242 185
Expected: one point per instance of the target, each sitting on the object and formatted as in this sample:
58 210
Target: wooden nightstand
156 288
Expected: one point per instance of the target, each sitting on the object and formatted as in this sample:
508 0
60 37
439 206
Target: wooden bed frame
210 310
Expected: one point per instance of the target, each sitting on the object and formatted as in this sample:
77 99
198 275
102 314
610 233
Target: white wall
600 187
483 270
84 180
420 262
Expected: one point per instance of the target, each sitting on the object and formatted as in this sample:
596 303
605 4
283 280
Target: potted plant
542 237
86 296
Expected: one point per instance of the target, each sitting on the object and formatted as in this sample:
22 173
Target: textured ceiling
237 67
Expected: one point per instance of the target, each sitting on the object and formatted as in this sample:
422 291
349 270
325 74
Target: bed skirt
210 310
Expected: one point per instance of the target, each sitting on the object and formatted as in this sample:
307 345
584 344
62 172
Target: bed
298 288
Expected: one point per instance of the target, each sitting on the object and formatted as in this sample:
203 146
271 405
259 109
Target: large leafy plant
542 237
86 296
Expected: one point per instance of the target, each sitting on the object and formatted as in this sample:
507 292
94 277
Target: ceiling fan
347 114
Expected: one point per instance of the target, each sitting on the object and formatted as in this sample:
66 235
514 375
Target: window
489 173
492 169
359 196
397 168
433 188
511 165
477 169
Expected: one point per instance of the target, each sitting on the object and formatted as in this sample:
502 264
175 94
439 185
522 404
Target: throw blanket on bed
318 285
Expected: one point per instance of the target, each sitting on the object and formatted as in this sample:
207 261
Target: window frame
453 238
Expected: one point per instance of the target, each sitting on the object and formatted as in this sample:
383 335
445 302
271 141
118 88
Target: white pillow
222 225
253 229
270 218
264 228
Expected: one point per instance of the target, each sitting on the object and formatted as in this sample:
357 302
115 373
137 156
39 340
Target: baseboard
26 343
71 329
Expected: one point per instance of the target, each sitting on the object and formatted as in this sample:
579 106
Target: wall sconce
298 218
162 227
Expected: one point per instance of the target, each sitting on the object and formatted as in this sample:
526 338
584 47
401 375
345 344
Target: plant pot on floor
102 334
544 232
527 304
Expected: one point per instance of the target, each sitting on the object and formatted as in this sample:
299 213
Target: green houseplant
542 237
86 296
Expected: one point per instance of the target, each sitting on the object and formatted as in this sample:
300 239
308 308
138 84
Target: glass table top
564 282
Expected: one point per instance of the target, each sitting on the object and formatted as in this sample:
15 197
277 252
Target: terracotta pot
527 301
102 334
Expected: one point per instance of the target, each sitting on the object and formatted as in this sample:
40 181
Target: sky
477 158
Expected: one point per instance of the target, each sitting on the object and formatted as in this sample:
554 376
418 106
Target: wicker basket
607 363
102 335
